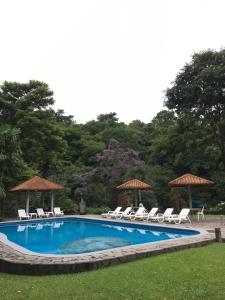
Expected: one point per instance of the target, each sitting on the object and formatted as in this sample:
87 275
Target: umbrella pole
52 201
189 196
27 203
139 196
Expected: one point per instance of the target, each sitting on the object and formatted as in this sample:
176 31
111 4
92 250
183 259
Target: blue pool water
75 236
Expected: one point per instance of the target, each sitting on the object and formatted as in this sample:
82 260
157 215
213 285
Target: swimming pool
66 236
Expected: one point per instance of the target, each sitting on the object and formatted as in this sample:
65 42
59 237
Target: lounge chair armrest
159 215
173 216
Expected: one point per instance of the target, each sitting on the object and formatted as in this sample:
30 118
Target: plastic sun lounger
22 214
133 215
41 213
121 214
147 216
182 217
162 217
111 212
58 212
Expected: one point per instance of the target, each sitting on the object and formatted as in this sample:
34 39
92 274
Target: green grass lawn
190 274
214 216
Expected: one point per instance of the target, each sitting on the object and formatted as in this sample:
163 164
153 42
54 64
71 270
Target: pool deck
15 260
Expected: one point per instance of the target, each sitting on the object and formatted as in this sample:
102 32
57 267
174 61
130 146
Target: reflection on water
39 226
156 233
144 231
21 228
69 236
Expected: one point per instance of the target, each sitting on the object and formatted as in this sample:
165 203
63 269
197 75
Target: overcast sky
101 56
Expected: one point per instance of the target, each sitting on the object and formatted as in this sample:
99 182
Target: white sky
101 56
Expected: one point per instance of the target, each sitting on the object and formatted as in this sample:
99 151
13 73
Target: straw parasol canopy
134 184
189 180
37 184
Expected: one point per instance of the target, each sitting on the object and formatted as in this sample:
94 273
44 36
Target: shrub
69 206
97 210
218 209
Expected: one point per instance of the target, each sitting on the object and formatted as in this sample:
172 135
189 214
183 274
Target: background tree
27 107
93 158
12 166
114 165
199 93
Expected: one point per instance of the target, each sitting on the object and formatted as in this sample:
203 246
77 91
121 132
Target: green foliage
97 210
114 164
198 93
12 165
189 137
218 209
69 206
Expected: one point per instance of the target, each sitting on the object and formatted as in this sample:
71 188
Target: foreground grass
190 274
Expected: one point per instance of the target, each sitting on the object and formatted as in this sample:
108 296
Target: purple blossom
113 165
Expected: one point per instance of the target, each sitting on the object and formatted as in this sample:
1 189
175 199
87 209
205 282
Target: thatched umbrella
189 180
37 184
134 184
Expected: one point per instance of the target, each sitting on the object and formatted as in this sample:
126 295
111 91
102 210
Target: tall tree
199 93
12 166
16 99
108 119
27 107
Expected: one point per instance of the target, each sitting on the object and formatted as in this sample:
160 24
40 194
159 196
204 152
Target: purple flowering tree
115 161
83 189
115 164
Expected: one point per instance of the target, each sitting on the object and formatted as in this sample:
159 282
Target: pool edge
14 260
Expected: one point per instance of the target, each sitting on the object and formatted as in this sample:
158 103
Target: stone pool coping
13 259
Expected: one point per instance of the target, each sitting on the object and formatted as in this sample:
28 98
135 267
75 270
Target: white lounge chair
152 213
111 212
201 213
147 216
118 214
22 214
182 217
134 215
41 213
162 217
58 212
126 212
